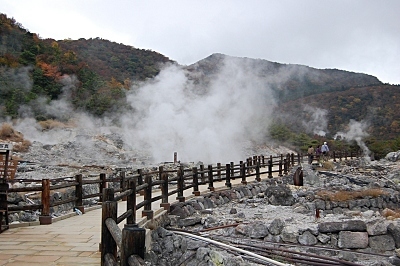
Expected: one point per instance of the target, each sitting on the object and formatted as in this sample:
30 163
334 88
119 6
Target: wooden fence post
243 172
228 176
196 191
122 183
263 160
133 242
280 168
298 159
202 175
285 166
79 193
232 170
270 168
109 210
131 202
140 181
164 192
181 185
147 197
45 217
210 178
292 158
219 171
102 185
258 178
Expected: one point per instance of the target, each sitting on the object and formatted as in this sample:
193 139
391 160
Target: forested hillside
96 72
95 75
288 81
325 100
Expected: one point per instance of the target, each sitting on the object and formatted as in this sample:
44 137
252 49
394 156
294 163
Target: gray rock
382 242
275 228
307 238
323 238
189 221
273 238
394 260
376 227
253 230
394 231
179 211
280 195
335 227
348 239
319 204
289 234
393 156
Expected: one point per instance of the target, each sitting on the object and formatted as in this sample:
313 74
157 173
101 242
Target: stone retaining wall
367 233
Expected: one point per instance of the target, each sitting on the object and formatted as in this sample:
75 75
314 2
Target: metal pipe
234 248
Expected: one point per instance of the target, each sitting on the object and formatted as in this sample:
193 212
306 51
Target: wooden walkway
70 240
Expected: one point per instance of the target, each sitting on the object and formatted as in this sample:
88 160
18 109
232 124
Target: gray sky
354 35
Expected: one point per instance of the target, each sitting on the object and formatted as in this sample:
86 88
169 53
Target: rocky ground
289 221
86 153
254 213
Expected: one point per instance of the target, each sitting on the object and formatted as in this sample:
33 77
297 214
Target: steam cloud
318 122
172 116
356 131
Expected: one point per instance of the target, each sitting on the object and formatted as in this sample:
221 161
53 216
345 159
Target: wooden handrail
142 182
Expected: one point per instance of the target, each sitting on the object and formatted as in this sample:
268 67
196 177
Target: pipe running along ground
233 248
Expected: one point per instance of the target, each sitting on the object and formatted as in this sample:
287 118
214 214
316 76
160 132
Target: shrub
22 146
6 131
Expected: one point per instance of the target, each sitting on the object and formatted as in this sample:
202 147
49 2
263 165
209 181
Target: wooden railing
170 182
181 180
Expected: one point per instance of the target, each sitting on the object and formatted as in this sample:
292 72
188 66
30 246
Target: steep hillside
288 81
93 75
377 106
113 60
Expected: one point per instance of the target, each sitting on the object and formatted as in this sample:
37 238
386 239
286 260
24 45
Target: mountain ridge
34 72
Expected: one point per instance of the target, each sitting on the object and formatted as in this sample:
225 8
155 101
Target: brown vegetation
391 214
350 195
8 134
51 124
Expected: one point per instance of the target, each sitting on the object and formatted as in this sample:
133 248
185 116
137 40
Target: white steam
317 122
356 131
171 116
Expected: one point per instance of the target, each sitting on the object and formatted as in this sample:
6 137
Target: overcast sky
354 35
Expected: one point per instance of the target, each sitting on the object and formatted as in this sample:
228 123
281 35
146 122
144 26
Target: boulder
335 227
376 227
394 231
348 239
275 228
307 238
382 242
289 234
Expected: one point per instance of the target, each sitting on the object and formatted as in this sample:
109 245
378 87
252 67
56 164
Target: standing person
318 152
325 151
310 153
